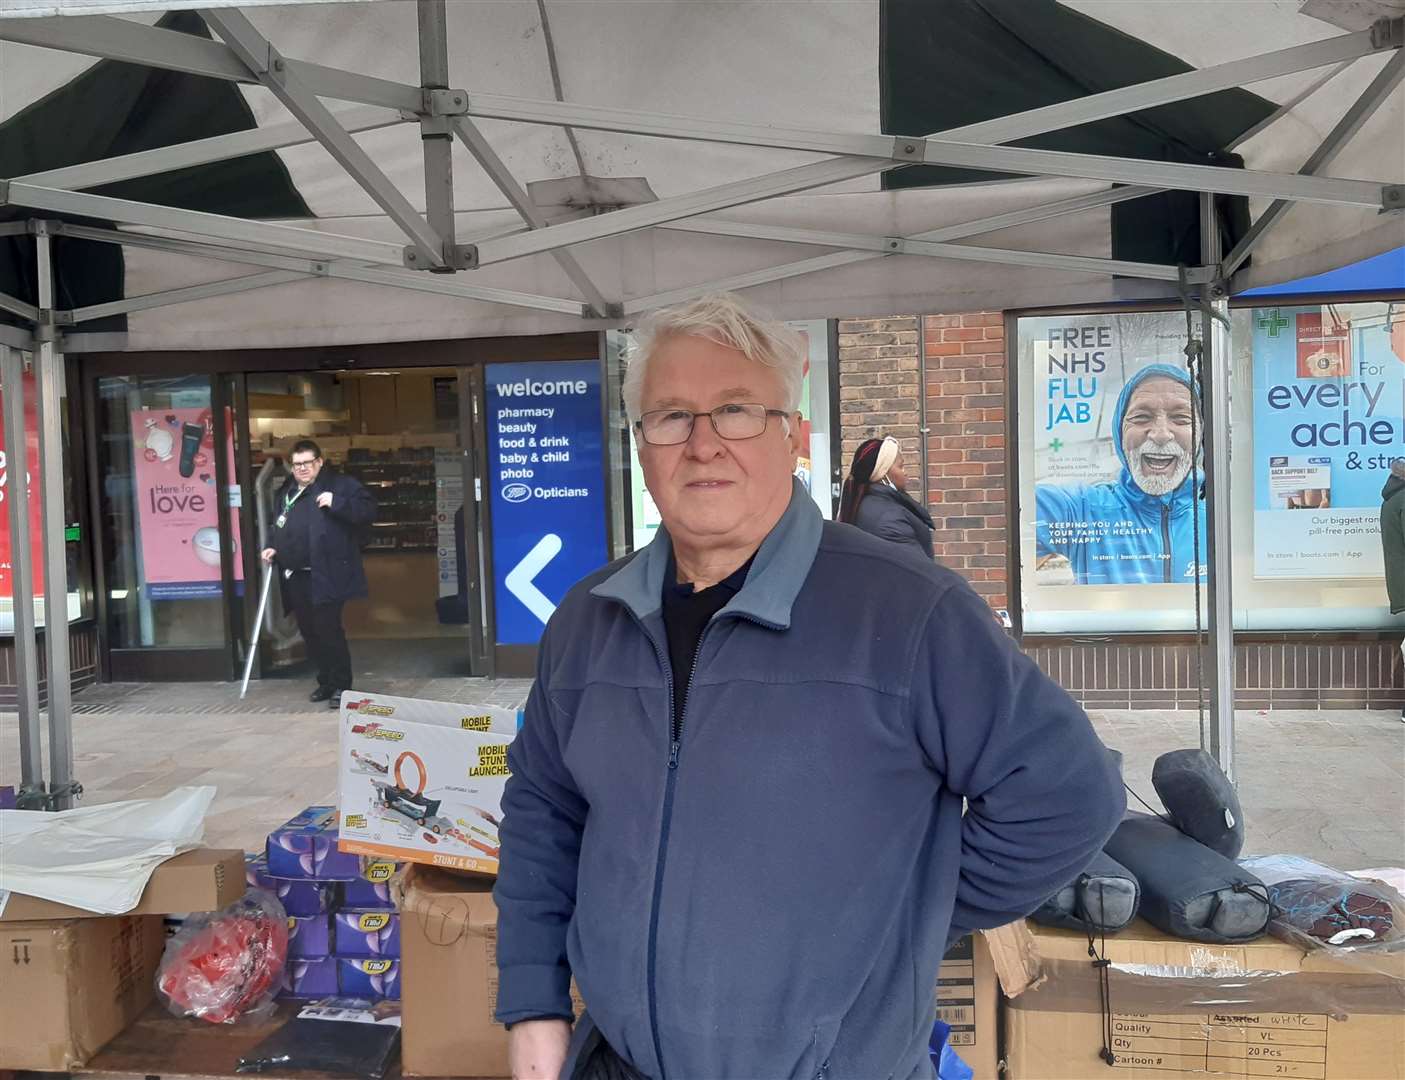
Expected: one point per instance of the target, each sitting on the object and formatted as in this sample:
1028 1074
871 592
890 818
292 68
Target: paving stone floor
1326 784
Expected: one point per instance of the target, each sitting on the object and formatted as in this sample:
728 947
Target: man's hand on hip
325 500
267 555
536 1049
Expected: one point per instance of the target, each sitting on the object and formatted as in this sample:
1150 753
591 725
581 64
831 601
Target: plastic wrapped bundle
223 965
1104 897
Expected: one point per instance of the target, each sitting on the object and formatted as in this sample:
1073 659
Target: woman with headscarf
875 497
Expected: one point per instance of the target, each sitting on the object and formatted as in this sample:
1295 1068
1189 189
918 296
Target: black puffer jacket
895 515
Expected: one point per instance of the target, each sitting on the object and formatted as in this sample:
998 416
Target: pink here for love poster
177 498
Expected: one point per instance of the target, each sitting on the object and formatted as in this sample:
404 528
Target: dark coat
337 535
895 515
840 708
1393 541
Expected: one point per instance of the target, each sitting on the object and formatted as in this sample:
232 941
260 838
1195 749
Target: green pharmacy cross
1273 321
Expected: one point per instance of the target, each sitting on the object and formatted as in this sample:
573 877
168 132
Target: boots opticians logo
516 493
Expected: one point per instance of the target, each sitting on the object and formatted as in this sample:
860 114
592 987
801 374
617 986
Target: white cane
258 626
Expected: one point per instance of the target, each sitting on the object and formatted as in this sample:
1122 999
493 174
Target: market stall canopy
590 160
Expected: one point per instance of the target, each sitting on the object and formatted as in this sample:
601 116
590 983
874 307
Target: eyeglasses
669 427
304 464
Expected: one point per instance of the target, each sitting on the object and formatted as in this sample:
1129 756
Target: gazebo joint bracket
456 257
1388 33
1392 197
444 102
909 148
611 310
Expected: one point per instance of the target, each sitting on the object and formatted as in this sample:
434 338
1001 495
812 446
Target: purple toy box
306 849
371 891
299 898
369 934
310 938
369 978
310 978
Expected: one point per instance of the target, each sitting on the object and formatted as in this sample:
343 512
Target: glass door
171 563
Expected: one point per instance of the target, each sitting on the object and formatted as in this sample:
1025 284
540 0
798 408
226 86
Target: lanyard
288 505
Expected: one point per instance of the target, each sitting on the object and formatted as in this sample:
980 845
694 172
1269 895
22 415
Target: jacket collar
780 568
903 499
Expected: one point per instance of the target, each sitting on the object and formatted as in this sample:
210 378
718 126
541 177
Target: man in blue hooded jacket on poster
1140 527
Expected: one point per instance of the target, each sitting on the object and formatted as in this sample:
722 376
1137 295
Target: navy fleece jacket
765 886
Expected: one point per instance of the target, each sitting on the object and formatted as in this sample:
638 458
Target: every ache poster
1329 396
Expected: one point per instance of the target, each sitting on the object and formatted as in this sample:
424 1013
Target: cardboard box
422 781
299 898
305 848
449 963
368 978
967 1001
71 985
1184 1008
366 934
205 879
449 948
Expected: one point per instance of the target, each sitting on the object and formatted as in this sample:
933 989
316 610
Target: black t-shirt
293 539
685 616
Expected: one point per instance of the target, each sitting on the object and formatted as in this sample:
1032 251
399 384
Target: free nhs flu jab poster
1329 397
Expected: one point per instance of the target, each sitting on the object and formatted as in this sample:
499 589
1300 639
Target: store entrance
406 435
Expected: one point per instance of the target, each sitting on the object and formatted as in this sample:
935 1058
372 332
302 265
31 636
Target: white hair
723 318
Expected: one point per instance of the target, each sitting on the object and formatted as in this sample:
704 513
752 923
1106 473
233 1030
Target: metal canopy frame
433 260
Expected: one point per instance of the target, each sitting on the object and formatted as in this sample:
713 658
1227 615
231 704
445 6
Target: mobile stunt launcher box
422 781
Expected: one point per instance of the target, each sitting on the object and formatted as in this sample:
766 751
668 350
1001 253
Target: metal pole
436 137
48 380
1216 364
17 497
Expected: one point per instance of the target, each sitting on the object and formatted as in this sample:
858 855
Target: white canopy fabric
811 66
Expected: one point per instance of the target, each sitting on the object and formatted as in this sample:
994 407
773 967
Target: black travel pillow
1104 897
1187 889
1200 800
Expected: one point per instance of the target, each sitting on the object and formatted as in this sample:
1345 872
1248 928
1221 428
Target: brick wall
879 383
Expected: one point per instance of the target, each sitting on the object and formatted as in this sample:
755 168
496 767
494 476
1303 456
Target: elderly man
735 812
1140 527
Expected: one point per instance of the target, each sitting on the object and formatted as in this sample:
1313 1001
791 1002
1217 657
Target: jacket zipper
675 745
675 733
1166 540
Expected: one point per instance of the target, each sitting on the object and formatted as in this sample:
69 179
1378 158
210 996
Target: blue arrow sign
546 482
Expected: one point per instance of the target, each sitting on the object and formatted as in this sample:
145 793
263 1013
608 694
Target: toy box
369 978
371 891
306 849
367 934
311 937
422 781
299 898
310 978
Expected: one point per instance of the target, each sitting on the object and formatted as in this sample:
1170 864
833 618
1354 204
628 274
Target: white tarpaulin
98 858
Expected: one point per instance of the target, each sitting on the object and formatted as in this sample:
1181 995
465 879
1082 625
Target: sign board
546 479
1329 418
1115 439
173 467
